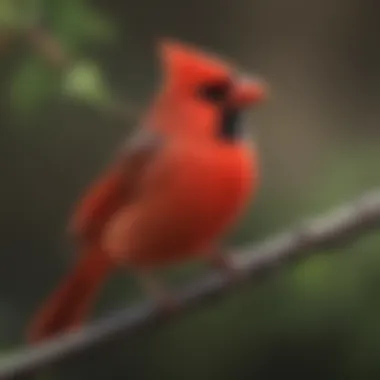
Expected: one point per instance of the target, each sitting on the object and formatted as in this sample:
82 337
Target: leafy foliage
85 82
32 85
77 26
16 14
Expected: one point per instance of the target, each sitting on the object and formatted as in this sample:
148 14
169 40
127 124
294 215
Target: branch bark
334 229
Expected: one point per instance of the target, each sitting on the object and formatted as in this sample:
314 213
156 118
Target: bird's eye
215 92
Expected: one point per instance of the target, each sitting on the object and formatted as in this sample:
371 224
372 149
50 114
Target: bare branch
327 231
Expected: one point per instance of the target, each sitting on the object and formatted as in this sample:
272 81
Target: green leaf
95 26
32 85
9 15
77 23
17 14
30 12
86 83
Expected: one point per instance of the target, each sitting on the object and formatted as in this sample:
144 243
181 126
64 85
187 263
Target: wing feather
115 187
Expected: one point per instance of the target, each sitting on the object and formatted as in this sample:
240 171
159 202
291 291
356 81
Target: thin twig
328 231
50 48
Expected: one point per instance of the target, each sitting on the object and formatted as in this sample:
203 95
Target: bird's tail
71 302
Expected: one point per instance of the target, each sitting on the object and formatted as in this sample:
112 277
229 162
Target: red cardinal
172 192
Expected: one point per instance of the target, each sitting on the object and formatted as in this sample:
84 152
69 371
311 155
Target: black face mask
217 93
231 125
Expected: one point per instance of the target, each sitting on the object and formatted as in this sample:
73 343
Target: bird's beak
249 91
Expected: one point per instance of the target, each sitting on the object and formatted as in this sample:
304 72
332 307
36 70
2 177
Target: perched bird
172 191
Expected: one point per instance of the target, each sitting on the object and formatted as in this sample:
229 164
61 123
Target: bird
171 192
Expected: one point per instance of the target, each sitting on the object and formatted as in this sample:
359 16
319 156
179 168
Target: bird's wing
115 186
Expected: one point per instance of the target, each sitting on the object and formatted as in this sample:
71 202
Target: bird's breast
216 181
192 196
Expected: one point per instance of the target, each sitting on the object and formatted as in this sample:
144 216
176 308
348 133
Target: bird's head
206 85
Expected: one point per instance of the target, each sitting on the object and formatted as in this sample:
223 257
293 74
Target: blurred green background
319 141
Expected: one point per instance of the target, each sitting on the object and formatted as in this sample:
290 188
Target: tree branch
328 231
